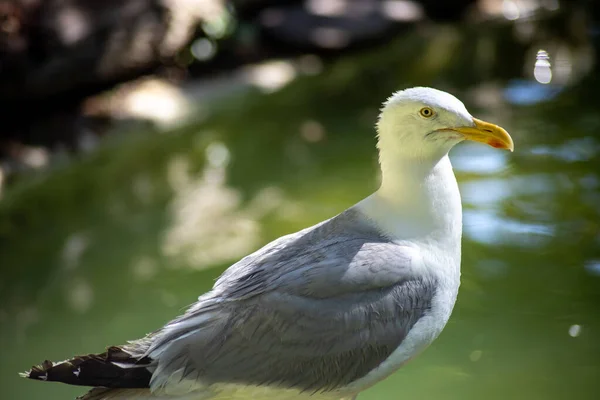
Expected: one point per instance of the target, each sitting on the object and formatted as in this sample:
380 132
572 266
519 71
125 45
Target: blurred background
145 145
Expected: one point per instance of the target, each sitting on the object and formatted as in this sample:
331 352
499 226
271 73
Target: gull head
425 123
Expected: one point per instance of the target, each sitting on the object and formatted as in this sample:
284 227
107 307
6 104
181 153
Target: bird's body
326 312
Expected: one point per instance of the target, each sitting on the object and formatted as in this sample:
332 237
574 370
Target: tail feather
115 368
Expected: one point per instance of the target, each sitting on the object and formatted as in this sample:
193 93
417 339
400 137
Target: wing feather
313 311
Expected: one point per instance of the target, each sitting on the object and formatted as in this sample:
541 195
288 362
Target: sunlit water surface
111 247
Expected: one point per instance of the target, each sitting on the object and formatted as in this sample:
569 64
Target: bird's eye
426 112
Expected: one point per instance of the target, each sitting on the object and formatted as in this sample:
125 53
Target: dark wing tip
39 372
113 368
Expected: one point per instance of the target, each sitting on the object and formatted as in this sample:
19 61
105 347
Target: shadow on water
112 246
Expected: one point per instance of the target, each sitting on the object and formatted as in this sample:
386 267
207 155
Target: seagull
326 312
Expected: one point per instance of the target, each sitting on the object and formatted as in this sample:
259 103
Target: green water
113 245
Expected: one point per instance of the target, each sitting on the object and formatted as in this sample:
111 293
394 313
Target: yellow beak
487 133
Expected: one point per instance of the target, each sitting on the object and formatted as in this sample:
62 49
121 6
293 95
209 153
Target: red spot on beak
496 144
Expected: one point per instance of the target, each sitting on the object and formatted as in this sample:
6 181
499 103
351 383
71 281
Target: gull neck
416 198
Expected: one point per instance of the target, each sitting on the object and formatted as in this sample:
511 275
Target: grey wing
314 344
316 312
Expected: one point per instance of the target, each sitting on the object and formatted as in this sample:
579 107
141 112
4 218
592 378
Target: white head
424 123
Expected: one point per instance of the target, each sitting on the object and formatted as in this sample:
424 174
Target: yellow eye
426 112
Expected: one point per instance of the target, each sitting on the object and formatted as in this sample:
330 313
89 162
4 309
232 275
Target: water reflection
573 150
593 267
210 224
486 226
521 92
74 247
80 294
270 76
144 268
472 158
